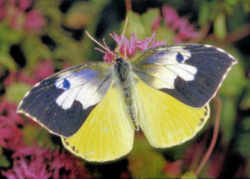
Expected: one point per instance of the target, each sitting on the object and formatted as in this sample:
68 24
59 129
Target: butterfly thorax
125 80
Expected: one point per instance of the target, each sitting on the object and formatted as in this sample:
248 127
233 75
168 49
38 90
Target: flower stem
128 5
214 138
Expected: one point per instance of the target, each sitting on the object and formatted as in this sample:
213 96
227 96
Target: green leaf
242 142
220 29
35 134
4 162
79 15
9 36
204 13
235 81
144 161
189 175
228 116
34 50
148 19
7 61
167 34
16 91
245 102
135 25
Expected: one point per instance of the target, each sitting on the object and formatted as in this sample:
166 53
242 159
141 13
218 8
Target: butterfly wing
62 102
108 132
166 121
192 73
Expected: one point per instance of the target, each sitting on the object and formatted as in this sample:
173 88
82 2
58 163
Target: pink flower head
156 23
183 29
3 12
43 69
2 2
36 162
173 168
129 46
24 4
170 15
10 133
34 21
10 78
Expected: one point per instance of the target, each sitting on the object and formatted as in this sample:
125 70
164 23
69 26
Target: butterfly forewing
62 102
192 73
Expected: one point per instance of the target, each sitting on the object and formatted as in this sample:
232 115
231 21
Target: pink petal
108 57
156 23
170 15
3 12
43 69
34 21
24 4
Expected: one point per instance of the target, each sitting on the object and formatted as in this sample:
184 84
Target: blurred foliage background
40 37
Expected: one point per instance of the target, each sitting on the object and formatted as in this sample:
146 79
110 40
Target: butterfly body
96 108
126 80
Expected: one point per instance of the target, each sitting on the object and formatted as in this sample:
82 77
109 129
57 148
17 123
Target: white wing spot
172 65
78 89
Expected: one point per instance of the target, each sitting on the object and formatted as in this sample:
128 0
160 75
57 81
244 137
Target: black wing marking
62 102
208 65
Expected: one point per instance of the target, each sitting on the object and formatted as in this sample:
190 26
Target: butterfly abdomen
125 80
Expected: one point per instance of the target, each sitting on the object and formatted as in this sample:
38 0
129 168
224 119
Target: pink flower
19 19
2 2
170 15
10 78
24 4
16 20
36 162
156 23
183 29
43 69
26 79
173 168
34 21
129 46
10 133
3 12
108 57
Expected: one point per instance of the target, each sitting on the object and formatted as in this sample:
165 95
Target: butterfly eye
66 84
179 57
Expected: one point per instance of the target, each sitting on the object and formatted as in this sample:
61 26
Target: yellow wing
164 120
108 132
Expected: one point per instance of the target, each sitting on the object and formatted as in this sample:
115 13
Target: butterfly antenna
105 47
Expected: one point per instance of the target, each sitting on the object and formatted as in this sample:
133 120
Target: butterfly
96 108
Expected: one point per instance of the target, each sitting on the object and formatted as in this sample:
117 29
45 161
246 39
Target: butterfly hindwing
164 120
192 73
61 103
108 132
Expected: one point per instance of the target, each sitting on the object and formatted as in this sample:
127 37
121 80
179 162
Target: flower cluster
129 46
184 30
19 16
44 68
35 162
10 123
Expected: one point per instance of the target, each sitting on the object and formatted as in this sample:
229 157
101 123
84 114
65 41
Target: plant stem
128 5
214 138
